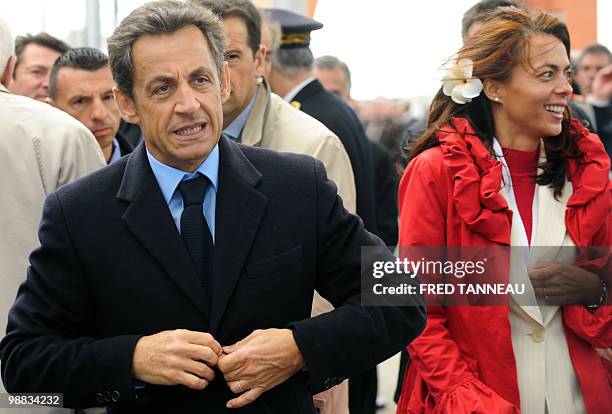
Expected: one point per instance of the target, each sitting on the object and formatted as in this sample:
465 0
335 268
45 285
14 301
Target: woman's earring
497 99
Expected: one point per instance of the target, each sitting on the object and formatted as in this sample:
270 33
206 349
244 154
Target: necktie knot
193 190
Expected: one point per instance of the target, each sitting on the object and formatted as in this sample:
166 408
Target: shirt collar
293 92
169 178
116 154
235 128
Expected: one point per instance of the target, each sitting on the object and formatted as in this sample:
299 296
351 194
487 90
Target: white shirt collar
293 92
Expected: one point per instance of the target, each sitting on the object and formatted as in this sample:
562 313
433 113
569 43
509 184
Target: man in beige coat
274 124
255 116
41 148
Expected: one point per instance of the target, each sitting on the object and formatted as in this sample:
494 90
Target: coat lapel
518 270
549 237
149 219
551 231
551 234
253 131
240 209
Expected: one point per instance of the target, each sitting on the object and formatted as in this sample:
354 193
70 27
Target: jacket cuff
115 382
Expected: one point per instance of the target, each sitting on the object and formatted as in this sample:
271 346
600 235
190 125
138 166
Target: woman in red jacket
503 164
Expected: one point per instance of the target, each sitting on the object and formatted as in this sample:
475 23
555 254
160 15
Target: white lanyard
522 234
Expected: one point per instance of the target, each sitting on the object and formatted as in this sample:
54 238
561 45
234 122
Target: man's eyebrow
160 79
80 96
171 79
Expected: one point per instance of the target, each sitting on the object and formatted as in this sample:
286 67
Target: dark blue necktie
194 230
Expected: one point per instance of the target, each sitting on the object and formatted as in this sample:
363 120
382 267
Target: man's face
32 74
589 65
335 81
177 96
245 68
88 97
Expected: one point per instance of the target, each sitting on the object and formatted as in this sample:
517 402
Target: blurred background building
394 49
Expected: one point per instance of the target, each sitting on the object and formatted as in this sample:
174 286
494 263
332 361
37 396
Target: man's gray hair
595 49
7 45
154 18
329 62
292 62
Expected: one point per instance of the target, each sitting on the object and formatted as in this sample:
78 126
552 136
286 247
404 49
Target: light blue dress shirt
234 130
116 154
168 179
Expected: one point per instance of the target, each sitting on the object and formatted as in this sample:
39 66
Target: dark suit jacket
336 115
124 145
603 118
112 267
131 133
387 181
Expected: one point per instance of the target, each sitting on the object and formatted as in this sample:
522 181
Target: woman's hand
565 284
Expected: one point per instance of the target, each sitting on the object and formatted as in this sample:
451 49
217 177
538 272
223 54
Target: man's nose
98 111
186 102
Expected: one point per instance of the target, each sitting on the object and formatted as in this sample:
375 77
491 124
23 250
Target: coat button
115 396
100 398
537 335
107 396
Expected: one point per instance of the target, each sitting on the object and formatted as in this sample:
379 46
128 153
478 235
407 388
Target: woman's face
532 101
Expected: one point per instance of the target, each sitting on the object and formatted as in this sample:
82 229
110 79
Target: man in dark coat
292 78
180 278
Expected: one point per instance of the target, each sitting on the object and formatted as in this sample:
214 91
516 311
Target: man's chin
104 140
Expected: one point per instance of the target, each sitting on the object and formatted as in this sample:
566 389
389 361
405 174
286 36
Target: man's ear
225 82
126 106
260 61
494 90
7 75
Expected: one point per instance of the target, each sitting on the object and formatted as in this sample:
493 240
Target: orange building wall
580 17
311 6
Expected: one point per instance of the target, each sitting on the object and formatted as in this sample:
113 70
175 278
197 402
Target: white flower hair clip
459 83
